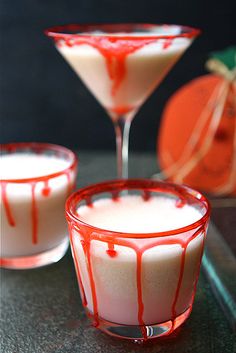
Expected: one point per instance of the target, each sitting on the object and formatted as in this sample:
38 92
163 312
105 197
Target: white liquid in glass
116 277
144 70
18 239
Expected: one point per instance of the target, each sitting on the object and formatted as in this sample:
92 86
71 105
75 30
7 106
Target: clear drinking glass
137 286
121 65
33 226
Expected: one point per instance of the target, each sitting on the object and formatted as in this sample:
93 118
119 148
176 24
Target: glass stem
122 127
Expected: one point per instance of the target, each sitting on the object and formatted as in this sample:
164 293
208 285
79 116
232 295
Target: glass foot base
140 334
37 260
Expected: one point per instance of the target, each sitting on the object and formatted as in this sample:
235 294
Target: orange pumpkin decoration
197 140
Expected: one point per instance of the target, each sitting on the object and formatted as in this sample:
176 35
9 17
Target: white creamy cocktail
121 64
35 182
141 72
137 257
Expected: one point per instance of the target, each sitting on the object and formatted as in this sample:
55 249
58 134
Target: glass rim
58 32
42 146
135 184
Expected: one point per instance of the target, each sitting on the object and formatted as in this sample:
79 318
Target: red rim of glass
36 147
137 184
58 32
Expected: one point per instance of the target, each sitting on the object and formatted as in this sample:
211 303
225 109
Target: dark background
42 99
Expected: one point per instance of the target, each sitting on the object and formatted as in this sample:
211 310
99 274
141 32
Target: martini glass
122 64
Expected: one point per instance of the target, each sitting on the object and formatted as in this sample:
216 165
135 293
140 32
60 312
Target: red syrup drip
139 253
46 190
204 230
10 218
115 52
34 210
146 195
167 43
89 201
181 273
111 251
11 148
89 236
180 203
33 181
34 215
84 299
140 296
86 248
115 195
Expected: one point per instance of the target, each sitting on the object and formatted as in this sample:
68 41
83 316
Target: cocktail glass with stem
122 64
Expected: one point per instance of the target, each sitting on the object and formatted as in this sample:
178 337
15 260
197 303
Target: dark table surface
41 311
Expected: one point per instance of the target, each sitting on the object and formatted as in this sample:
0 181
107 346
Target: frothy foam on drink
131 214
24 165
